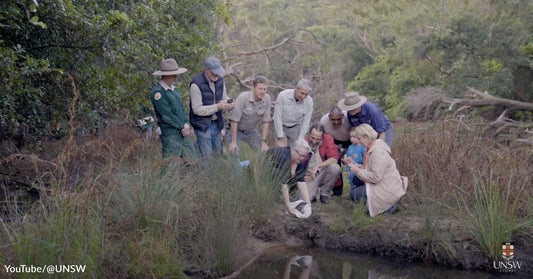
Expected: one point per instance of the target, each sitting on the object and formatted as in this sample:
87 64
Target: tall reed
59 230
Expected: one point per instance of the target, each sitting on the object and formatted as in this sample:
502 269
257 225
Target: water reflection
306 263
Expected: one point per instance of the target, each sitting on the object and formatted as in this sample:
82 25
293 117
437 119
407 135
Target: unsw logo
507 251
507 254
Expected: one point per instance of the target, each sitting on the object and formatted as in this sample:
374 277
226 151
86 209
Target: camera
229 101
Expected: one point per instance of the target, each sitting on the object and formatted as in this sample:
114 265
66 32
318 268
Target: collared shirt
371 115
289 112
249 113
198 107
327 149
165 86
341 133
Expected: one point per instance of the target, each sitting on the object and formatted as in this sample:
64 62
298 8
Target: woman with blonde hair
384 185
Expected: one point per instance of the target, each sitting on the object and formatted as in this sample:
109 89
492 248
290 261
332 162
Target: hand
186 131
281 142
232 146
224 105
347 160
354 167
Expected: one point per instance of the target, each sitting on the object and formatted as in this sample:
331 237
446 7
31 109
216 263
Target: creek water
305 262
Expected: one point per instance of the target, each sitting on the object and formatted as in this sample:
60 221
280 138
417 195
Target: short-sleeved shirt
357 154
341 133
370 114
249 113
280 160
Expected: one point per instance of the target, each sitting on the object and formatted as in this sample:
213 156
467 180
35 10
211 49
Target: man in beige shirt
208 101
251 108
292 113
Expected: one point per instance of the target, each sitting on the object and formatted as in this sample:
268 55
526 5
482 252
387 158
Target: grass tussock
494 216
120 209
115 206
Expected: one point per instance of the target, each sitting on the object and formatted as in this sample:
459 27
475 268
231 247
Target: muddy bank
440 241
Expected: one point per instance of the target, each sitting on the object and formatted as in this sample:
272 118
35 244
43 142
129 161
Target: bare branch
248 53
488 100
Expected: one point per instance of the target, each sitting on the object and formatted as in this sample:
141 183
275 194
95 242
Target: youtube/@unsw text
49 269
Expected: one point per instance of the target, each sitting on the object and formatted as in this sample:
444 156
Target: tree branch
488 100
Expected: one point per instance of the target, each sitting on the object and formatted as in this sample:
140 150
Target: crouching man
288 166
323 169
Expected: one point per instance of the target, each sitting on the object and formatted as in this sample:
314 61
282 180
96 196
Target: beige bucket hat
351 101
169 67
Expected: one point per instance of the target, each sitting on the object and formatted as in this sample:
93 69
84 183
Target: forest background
388 50
74 192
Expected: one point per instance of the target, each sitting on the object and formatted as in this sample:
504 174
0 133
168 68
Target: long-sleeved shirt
196 101
289 112
168 106
371 115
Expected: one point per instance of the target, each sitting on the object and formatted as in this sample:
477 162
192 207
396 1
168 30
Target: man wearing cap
360 112
171 116
251 108
208 101
292 113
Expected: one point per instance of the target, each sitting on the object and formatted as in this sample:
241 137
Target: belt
290 126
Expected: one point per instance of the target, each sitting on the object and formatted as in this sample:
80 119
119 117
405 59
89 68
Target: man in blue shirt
360 111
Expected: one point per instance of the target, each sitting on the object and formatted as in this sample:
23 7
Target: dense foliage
387 49
384 49
109 47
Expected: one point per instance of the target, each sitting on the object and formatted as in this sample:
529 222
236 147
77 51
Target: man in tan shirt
208 101
251 108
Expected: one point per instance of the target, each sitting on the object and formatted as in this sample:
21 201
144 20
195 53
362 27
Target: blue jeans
210 141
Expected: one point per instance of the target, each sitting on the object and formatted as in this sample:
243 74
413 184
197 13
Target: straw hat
351 101
169 67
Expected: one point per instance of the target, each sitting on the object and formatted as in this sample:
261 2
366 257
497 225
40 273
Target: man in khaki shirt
251 108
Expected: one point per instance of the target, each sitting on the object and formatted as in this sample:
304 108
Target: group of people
355 133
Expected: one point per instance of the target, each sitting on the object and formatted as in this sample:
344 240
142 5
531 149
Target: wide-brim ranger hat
169 67
351 101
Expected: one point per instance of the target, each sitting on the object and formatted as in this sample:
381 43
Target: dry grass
442 157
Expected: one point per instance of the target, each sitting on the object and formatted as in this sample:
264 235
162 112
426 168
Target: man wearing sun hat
208 101
171 116
361 111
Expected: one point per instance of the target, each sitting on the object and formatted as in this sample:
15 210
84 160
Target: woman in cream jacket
384 185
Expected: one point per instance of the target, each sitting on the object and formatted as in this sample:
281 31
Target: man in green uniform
171 117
